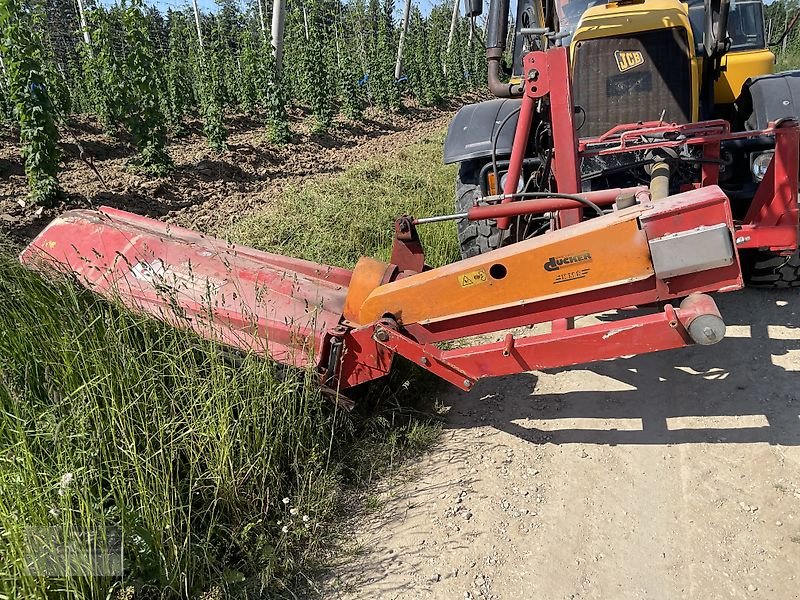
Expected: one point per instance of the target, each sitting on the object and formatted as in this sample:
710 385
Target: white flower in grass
293 511
285 529
305 519
66 479
286 501
54 512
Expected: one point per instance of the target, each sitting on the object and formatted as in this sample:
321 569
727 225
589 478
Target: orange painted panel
599 253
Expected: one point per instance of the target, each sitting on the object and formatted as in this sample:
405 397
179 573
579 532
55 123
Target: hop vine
23 54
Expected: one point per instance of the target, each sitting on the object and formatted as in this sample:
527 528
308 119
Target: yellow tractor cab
631 61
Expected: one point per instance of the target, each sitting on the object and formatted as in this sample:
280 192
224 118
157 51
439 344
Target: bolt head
467 383
424 361
533 75
381 335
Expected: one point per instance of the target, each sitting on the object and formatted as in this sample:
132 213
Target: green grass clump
336 220
114 420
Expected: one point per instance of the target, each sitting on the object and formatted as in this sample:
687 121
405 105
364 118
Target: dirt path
206 190
675 475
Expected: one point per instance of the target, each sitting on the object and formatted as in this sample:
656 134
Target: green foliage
22 51
180 93
208 71
274 98
316 66
778 16
143 72
252 83
6 112
382 86
143 118
104 68
424 72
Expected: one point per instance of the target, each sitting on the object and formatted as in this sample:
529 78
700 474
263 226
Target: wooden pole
278 23
84 27
398 65
261 20
453 22
197 22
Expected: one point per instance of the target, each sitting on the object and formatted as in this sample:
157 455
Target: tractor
630 61
638 155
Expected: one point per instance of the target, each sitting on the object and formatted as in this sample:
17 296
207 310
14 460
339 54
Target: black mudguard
470 133
772 97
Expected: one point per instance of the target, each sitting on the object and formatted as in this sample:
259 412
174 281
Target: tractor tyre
475 237
764 269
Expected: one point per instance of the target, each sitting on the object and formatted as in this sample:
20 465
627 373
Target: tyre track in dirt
672 475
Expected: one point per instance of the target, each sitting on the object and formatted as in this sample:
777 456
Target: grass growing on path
221 477
336 220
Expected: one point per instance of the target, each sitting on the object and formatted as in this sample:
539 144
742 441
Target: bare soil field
206 190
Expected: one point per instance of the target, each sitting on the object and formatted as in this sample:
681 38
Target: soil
206 190
663 476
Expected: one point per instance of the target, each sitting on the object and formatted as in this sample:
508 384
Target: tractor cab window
569 13
745 24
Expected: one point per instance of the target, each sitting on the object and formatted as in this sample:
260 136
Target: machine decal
555 263
628 60
571 276
472 278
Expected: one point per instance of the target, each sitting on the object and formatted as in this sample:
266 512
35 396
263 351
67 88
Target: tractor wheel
475 237
767 270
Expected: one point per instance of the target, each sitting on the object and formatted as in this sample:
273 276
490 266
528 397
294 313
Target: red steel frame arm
639 335
547 74
772 220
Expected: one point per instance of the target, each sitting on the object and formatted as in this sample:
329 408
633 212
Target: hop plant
180 92
22 52
211 97
104 70
143 116
275 99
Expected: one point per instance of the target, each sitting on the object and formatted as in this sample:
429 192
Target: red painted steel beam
638 335
772 219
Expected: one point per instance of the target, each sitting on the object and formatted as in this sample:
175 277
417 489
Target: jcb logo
628 60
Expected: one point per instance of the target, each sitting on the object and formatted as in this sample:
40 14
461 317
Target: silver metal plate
699 249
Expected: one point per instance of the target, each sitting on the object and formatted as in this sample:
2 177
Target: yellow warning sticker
472 278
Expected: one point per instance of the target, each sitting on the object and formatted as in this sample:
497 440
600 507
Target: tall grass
338 219
225 479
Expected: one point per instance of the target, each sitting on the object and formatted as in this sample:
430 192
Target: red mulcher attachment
255 301
349 325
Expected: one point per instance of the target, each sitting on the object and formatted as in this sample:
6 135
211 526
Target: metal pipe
496 34
497 25
546 205
539 206
440 218
498 87
659 180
